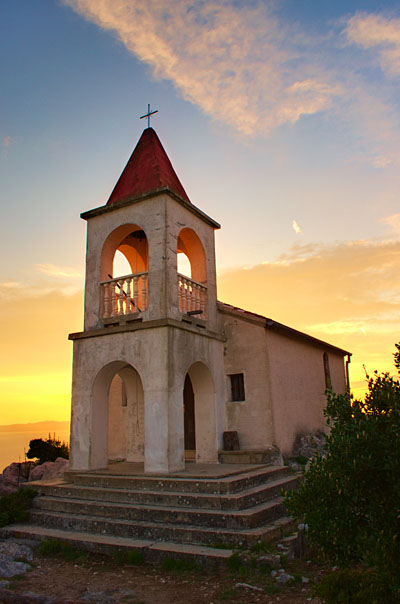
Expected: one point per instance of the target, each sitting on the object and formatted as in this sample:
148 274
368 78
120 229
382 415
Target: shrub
15 507
48 449
350 499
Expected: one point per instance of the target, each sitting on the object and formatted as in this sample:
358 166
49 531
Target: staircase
184 514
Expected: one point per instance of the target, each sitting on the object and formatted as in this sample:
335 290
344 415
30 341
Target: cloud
63 272
237 61
393 221
296 227
7 141
376 31
347 294
10 284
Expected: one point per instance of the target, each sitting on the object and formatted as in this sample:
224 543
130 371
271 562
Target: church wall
245 352
298 385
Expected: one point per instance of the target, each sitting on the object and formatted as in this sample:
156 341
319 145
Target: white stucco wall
297 382
245 352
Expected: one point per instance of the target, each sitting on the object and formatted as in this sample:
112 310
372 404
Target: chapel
162 370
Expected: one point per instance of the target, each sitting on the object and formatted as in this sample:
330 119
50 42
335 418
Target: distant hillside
43 427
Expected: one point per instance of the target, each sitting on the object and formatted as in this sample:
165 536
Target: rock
10 568
270 560
14 475
284 578
50 470
247 586
307 445
11 554
11 550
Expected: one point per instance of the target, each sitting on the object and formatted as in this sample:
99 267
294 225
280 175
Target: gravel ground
95 579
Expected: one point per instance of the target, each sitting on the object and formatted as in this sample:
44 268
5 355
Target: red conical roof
147 170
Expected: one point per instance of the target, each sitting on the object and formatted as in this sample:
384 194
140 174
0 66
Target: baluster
196 296
190 296
113 299
120 297
202 302
185 296
128 295
104 288
144 293
136 292
180 294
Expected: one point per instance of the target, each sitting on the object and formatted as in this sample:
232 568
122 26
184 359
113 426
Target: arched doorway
200 414
189 420
117 415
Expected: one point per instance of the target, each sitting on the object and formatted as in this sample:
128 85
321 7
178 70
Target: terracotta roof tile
148 169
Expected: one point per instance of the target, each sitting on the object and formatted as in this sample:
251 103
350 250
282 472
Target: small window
327 372
237 386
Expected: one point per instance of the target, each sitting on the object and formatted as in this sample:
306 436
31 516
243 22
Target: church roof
272 325
148 170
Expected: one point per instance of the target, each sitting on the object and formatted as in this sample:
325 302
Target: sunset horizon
282 123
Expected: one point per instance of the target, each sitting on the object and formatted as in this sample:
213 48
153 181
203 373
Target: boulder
50 470
14 475
13 557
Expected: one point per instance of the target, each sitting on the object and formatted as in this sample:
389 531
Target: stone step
193 517
231 501
231 483
153 551
164 532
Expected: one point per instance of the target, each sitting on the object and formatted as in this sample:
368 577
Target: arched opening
192 274
117 421
200 414
124 272
184 267
189 421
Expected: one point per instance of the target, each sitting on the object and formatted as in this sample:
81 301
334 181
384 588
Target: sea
15 444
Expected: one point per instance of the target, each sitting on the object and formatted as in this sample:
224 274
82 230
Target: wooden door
189 421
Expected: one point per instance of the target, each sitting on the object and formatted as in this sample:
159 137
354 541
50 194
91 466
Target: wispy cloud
242 63
63 272
236 61
348 294
7 141
393 221
383 34
297 229
10 284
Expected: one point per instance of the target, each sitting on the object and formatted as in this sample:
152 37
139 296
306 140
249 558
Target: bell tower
147 332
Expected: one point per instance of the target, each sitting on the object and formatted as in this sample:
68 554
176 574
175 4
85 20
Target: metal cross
148 114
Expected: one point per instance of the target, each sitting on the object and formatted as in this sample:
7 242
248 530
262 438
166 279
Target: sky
281 118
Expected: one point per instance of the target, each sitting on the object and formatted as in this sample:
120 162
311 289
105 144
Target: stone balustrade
192 296
124 295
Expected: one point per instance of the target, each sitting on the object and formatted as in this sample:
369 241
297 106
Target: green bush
61 549
359 586
48 449
131 557
350 499
15 507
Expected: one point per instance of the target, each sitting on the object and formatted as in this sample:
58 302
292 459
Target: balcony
192 297
128 295
124 295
